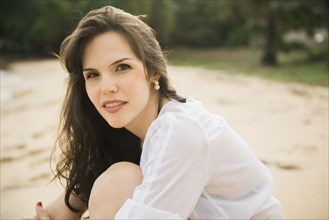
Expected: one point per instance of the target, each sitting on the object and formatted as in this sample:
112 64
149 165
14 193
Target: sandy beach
286 124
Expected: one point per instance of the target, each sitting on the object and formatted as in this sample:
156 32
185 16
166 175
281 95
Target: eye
91 75
122 67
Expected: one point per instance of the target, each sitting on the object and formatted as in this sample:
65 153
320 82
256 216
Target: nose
109 86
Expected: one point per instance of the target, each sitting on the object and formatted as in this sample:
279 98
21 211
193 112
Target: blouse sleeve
175 170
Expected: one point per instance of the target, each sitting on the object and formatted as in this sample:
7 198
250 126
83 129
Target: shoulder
181 118
179 124
177 127
190 118
175 136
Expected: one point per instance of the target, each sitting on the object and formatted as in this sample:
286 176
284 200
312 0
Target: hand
57 209
41 212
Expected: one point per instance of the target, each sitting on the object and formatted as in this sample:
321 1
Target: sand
285 124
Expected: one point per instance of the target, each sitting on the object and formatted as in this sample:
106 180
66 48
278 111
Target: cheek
139 87
92 94
139 82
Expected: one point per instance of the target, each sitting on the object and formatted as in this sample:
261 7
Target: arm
174 164
112 188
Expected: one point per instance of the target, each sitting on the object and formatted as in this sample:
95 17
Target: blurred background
289 35
262 64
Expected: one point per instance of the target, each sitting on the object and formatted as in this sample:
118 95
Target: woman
133 149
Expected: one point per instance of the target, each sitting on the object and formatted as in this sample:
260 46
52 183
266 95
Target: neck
141 123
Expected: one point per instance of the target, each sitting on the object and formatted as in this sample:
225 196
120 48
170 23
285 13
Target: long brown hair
89 145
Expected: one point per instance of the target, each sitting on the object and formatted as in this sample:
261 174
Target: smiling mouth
114 106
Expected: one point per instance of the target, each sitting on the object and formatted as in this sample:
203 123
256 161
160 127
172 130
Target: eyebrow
112 64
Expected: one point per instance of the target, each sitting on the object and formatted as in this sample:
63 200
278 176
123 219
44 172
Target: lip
113 106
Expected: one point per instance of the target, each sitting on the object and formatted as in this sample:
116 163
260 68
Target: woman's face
116 83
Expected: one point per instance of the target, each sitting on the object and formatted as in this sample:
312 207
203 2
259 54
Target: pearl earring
156 86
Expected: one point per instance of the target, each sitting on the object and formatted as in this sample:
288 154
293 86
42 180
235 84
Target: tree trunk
270 48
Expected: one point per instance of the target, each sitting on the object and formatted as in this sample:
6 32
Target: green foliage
310 67
162 19
39 26
31 25
210 23
276 17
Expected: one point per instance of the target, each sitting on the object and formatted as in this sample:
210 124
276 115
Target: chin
115 124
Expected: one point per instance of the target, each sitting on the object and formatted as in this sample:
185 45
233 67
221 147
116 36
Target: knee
115 185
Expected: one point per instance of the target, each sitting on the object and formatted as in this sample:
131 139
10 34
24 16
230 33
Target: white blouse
195 166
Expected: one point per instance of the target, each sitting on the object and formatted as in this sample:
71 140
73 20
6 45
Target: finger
41 212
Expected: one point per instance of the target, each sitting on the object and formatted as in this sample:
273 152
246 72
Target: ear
155 81
155 77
